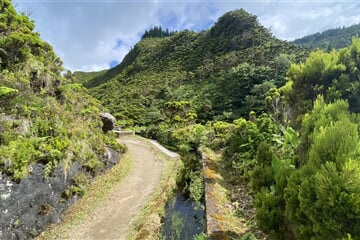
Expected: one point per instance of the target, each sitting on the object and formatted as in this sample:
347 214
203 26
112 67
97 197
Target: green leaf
6 92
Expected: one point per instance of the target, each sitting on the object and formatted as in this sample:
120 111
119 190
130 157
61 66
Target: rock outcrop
108 121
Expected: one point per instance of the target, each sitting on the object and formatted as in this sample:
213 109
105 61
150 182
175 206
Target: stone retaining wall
214 227
123 133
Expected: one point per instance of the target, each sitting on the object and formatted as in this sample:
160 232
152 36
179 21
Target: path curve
115 215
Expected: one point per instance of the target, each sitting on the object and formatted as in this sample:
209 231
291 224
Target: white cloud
294 19
85 33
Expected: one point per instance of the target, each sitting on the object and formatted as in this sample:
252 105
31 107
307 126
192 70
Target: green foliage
84 77
312 78
243 89
7 92
263 153
248 236
335 143
186 140
322 115
267 211
81 182
77 190
262 175
241 24
243 144
320 196
219 136
333 75
110 140
318 199
196 187
189 137
179 112
268 179
48 169
17 156
18 42
44 118
201 236
325 203
94 165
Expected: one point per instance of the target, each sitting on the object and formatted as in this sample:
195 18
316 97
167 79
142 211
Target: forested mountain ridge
202 68
333 38
51 138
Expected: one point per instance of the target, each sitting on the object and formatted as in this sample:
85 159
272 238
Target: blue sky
92 35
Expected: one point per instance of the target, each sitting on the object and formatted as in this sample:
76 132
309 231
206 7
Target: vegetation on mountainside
287 127
330 39
85 76
44 118
223 72
168 86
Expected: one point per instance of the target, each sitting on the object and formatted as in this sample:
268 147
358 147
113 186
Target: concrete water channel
183 217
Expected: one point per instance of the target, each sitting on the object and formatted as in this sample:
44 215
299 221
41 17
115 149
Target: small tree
322 197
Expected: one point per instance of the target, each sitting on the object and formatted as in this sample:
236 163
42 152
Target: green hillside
92 79
333 38
220 72
87 76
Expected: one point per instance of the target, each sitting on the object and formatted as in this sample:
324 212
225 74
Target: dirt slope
113 218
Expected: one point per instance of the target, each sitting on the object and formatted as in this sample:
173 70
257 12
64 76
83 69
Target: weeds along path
113 218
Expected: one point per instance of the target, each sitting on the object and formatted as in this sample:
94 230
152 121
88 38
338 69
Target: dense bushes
318 199
307 187
322 199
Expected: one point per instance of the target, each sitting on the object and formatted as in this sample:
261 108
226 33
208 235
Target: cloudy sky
92 35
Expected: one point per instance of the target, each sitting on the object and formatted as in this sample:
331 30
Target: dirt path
114 217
